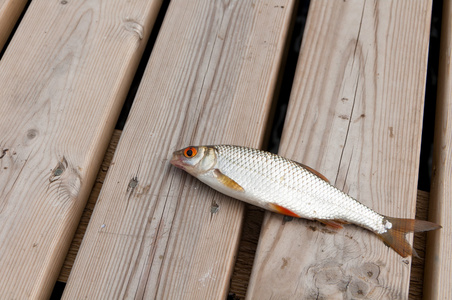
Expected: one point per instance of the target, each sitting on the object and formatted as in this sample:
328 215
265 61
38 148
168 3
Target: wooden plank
62 84
10 11
88 211
156 232
438 267
355 115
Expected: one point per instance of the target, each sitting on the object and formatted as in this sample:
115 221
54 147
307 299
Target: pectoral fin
227 181
282 210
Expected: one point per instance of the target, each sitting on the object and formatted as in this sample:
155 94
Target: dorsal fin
313 171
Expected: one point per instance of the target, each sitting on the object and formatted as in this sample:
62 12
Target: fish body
284 186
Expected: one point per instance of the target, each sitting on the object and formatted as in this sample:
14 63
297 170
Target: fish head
195 160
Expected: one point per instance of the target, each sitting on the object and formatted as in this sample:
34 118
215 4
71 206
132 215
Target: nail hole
58 172
133 182
214 208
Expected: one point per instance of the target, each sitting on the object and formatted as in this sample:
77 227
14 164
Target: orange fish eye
190 152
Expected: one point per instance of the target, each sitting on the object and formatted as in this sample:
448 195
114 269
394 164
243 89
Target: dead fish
287 187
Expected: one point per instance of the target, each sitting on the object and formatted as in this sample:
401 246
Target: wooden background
214 75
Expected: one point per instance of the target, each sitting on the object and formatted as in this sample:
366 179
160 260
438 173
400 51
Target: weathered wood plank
355 115
156 232
10 11
88 211
62 84
438 267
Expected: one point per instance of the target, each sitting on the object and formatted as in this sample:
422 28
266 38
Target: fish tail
394 237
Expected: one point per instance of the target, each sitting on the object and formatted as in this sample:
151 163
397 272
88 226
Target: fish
284 186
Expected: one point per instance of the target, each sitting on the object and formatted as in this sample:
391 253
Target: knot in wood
135 27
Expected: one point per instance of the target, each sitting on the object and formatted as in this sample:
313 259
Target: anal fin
282 210
335 224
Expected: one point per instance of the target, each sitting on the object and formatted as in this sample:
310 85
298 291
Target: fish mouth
176 161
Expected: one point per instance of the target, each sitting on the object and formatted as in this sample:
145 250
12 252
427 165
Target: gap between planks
249 239
439 259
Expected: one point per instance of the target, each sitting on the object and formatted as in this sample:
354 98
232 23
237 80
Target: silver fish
287 187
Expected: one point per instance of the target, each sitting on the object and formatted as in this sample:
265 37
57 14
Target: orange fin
335 224
394 237
227 181
313 171
282 210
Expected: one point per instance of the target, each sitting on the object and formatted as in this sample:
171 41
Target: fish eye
190 152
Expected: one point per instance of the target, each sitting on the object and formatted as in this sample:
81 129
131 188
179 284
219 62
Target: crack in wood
358 35
3 153
348 129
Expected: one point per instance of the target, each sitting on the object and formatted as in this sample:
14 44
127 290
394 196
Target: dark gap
2 51
288 76
254 216
58 289
425 165
141 67
428 125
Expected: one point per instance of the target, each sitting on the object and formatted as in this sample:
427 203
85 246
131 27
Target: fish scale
284 186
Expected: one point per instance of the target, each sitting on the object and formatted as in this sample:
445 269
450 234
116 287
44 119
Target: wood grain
88 211
62 84
210 79
355 114
438 267
10 11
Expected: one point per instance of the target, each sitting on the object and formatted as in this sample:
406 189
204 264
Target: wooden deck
144 229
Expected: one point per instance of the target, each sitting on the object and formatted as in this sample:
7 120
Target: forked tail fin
395 236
